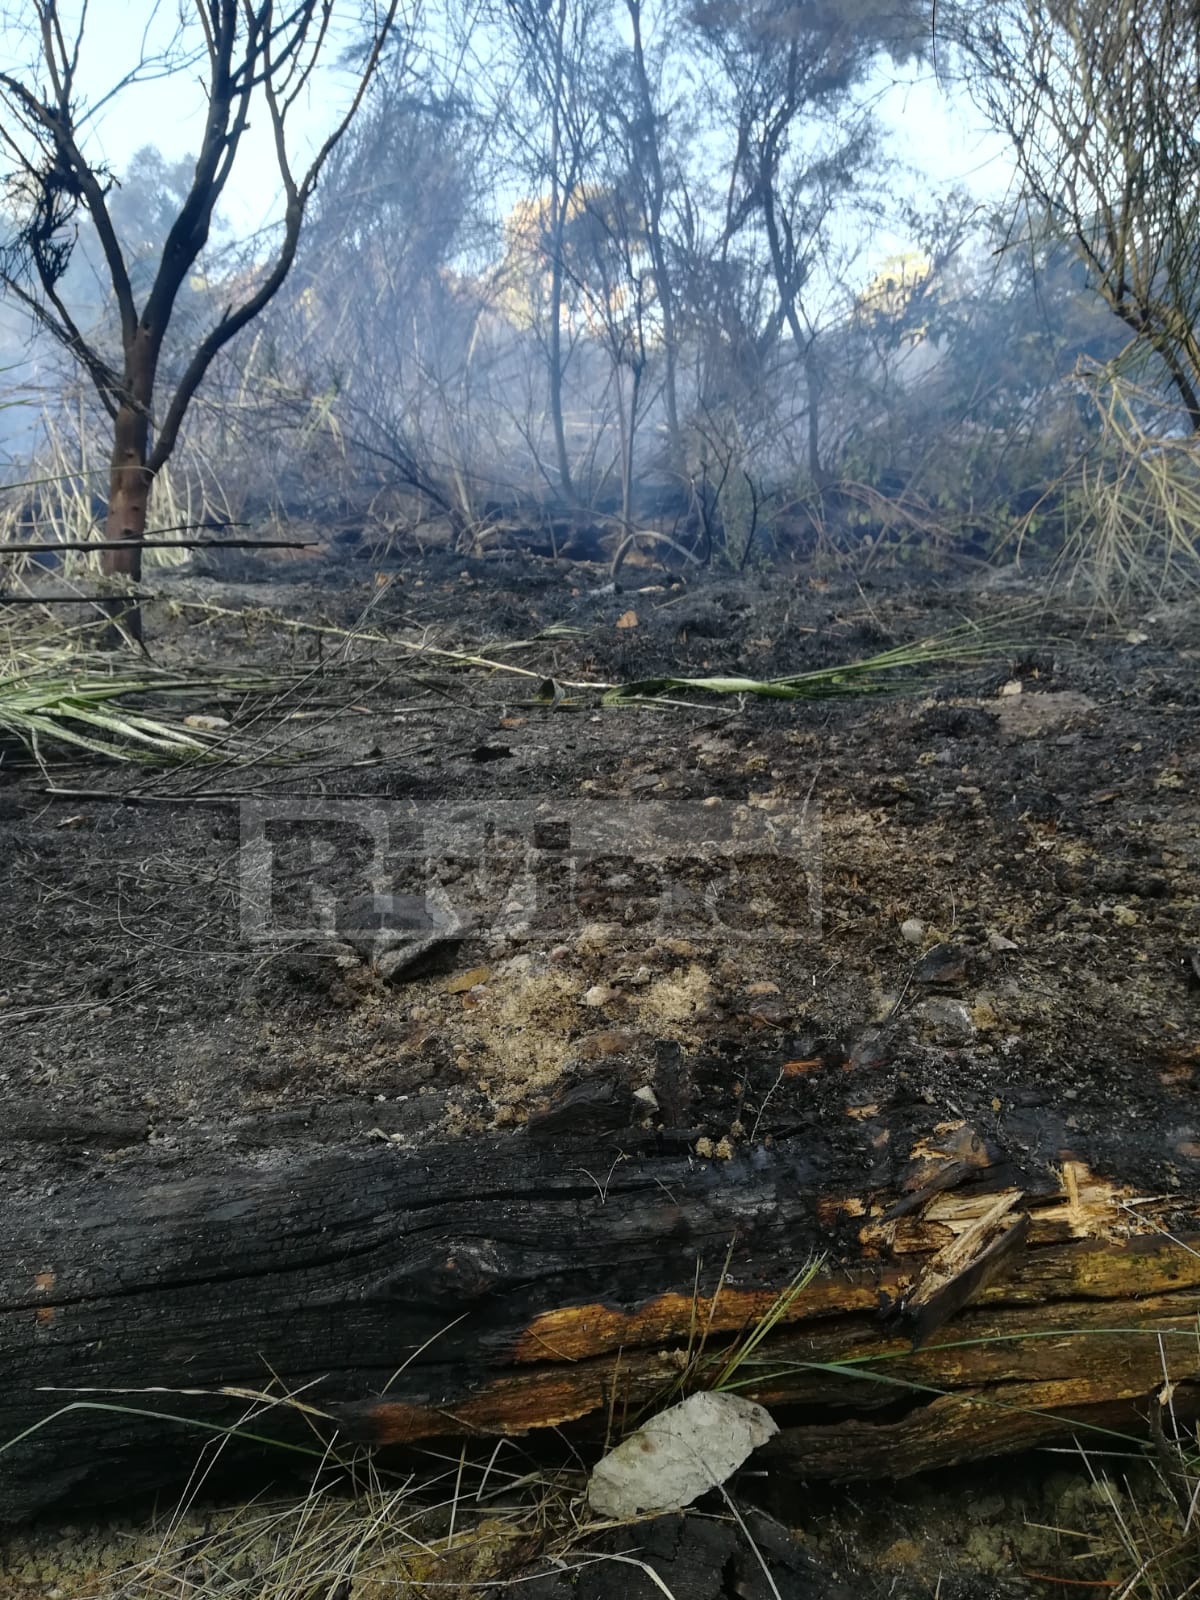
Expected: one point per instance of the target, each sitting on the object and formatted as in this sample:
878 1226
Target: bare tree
800 147
252 54
375 314
550 107
609 268
642 118
1101 101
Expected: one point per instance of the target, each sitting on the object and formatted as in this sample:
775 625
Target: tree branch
297 199
107 381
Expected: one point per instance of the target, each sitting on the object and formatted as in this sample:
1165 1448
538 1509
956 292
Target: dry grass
1131 503
68 469
451 1523
1153 1546
456 1528
58 699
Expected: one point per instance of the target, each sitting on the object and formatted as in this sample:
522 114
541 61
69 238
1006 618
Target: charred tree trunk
560 200
555 371
812 380
131 476
556 375
785 268
974 1299
129 485
628 434
656 199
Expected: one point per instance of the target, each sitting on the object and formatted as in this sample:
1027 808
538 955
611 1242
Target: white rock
679 1455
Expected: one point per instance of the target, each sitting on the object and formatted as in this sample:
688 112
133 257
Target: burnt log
974 1297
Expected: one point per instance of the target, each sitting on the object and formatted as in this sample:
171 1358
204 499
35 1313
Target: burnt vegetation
598 275
598 773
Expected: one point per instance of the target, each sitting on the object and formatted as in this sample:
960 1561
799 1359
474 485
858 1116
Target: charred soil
972 896
464 902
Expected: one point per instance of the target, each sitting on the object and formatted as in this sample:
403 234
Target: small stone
608 1042
944 966
646 1097
949 1020
912 931
601 994
767 1013
872 1048
711 802
999 945
462 981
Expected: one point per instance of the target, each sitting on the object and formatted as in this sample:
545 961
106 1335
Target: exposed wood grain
493 1287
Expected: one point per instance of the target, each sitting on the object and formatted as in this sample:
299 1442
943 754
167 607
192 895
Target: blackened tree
253 55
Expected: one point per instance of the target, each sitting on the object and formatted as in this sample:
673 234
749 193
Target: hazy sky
941 136
168 111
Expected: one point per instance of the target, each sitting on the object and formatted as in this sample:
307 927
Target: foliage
1101 101
56 703
627 255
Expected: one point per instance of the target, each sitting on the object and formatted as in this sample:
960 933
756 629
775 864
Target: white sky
929 131
168 112
943 135
939 135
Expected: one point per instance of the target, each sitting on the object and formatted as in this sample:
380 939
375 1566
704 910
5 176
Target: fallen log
973 1298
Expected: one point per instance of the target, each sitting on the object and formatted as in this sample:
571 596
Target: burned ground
870 933
153 1002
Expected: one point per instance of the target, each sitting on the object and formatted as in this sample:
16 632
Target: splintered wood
969 1301
1062 1301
